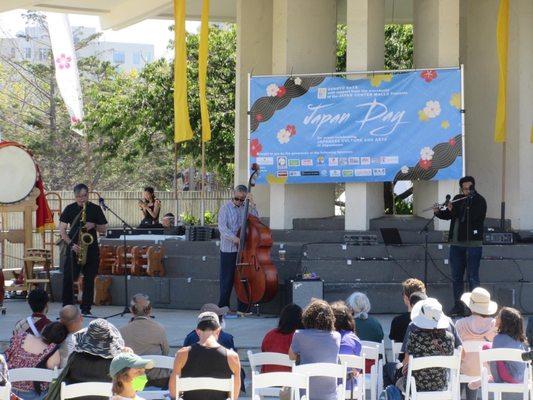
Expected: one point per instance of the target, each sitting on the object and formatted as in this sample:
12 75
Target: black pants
71 272
227 273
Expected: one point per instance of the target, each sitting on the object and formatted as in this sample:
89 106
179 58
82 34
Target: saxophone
85 238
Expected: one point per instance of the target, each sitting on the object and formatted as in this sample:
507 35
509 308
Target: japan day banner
371 128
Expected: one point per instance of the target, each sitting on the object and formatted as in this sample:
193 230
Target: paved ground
248 332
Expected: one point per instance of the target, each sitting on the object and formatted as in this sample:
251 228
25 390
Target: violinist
230 218
150 207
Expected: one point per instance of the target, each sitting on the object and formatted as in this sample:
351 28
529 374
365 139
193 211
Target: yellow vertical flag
202 71
182 125
502 40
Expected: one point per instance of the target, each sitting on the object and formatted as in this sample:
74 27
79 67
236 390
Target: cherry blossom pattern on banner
63 61
255 147
432 160
428 75
278 97
431 110
284 135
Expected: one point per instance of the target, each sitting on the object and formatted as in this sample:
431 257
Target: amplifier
498 238
301 291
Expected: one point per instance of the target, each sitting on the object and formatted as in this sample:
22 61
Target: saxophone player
84 220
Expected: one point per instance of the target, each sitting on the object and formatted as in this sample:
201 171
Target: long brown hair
512 324
344 320
118 381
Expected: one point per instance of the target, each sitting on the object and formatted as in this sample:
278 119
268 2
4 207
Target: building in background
33 45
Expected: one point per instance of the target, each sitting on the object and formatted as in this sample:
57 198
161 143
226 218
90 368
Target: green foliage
210 218
403 207
398 47
188 219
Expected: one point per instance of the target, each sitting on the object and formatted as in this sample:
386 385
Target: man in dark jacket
467 214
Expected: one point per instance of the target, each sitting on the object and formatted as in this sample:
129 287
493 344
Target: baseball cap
214 308
128 360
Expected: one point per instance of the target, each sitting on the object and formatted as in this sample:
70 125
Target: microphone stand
125 226
425 230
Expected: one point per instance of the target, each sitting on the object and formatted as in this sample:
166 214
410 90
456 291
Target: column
436 42
365 48
304 40
254 54
483 156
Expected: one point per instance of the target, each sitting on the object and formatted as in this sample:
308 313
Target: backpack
391 392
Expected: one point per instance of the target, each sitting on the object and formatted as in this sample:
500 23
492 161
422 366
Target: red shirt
276 342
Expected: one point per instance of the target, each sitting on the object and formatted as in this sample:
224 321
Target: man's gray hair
69 314
140 305
359 304
241 188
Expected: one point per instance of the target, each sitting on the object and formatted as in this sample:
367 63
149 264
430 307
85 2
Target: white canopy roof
117 14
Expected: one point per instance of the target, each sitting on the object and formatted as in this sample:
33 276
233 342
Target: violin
256 277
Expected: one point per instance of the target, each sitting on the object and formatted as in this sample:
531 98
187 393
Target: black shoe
86 313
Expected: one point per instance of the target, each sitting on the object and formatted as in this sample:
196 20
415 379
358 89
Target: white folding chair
5 391
373 351
257 360
471 347
493 355
102 389
453 363
296 382
355 362
329 370
219 385
32 374
396 350
164 362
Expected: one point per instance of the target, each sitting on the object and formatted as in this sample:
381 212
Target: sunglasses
239 198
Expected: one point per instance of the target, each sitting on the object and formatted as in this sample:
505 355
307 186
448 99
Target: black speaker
301 291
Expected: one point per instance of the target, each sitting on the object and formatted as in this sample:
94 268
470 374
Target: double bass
256 277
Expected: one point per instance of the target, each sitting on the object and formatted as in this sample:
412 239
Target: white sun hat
479 302
428 314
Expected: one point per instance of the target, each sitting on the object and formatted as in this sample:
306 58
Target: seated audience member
4 375
392 371
206 358
224 338
278 340
128 373
345 325
95 347
147 337
367 327
428 338
70 316
29 351
480 326
399 324
38 301
318 342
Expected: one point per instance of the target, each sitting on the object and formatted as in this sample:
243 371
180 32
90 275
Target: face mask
138 383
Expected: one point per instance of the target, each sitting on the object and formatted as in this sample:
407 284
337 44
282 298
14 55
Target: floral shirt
425 343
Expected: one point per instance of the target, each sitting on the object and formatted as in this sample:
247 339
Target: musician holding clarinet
467 213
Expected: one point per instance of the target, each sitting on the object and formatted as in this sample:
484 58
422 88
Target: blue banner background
382 128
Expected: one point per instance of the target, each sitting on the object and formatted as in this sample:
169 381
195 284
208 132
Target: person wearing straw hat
480 326
128 373
429 337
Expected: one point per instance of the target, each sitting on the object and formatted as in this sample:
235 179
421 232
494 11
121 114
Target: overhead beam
8 5
130 12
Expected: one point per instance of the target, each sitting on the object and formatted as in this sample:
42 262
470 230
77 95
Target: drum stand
125 227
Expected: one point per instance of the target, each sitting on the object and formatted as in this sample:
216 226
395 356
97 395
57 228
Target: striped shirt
229 222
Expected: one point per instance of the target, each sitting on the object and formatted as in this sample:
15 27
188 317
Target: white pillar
436 44
304 40
483 156
365 47
254 53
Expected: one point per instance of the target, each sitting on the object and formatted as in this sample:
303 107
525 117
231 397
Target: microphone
102 203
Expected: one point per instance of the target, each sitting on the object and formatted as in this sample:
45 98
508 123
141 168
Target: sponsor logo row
283 162
336 172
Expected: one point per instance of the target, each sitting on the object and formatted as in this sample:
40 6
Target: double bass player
230 218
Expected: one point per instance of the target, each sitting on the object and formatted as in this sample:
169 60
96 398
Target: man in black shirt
95 222
400 323
467 214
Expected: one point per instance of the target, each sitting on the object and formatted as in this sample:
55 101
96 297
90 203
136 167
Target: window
149 57
43 54
27 53
136 58
119 57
